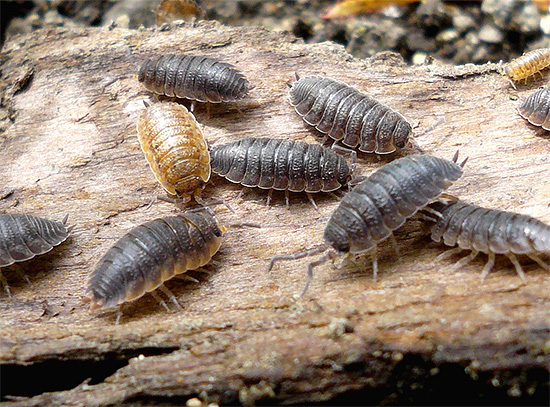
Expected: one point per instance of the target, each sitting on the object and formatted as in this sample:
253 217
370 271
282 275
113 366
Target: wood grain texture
68 145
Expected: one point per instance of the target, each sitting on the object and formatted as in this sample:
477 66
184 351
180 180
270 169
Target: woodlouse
489 231
278 164
193 77
379 205
349 116
24 236
527 65
175 148
536 108
152 253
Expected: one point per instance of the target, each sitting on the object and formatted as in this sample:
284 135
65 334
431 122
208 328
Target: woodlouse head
189 187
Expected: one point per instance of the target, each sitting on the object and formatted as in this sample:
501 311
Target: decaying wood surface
68 145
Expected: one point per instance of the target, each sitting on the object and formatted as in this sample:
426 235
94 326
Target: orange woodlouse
527 65
143 259
379 205
489 231
175 148
24 236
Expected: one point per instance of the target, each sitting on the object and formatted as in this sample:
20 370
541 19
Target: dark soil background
456 32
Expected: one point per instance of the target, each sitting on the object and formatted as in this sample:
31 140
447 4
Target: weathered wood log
68 145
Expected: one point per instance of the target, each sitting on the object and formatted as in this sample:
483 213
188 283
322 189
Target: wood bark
68 145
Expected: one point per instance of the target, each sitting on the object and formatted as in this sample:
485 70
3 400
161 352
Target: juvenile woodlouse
527 65
489 231
24 236
278 164
175 148
536 108
143 259
193 77
349 116
379 205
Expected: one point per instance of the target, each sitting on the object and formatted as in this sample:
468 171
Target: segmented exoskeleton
379 205
489 231
193 77
349 116
527 65
278 164
143 259
175 148
24 236
536 108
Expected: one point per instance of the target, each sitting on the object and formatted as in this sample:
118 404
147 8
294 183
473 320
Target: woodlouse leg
464 261
448 253
312 201
513 84
488 266
269 195
5 284
287 199
516 264
118 315
172 297
539 261
187 277
22 275
395 246
160 300
374 258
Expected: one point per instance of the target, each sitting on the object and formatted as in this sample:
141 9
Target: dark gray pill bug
279 164
349 116
489 231
379 205
143 259
193 77
536 108
24 236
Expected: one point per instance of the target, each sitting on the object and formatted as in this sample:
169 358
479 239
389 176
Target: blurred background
456 32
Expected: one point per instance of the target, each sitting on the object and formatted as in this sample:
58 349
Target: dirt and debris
456 32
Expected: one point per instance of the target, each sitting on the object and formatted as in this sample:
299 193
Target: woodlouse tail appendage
527 65
175 148
536 108
24 236
193 77
490 231
143 259
379 205
348 116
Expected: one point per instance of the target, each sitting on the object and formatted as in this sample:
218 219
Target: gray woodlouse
24 236
193 77
527 65
379 205
278 164
349 116
143 259
175 148
489 231
536 108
